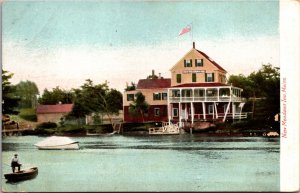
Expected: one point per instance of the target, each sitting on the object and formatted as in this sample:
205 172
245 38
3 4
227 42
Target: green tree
9 98
27 91
88 99
139 106
263 84
267 85
56 96
112 103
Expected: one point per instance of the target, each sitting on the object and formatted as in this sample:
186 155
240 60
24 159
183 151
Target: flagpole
192 29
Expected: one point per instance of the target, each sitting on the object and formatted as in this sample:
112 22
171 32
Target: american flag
185 30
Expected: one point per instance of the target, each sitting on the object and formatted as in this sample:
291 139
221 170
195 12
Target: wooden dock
17 132
165 129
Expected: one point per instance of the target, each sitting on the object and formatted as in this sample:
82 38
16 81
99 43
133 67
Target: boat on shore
57 143
25 174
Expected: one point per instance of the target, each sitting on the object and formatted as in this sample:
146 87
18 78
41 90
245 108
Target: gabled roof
214 63
206 84
60 108
154 83
206 56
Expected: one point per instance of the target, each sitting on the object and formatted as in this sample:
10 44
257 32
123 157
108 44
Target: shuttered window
199 62
178 78
194 77
209 77
188 63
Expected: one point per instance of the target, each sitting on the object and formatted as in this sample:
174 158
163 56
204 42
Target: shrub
46 125
28 114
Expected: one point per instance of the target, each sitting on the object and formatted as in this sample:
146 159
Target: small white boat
56 142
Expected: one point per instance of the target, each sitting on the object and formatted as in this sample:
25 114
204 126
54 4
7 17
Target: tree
27 91
9 98
139 106
56 96
88 99
263 84
267 86
112 103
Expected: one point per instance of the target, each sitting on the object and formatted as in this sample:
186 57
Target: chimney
159 75
194 45
152 72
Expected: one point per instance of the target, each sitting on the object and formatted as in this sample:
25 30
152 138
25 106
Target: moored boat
57 143
25 174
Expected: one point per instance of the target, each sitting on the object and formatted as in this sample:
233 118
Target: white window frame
200 62
209 77
188 63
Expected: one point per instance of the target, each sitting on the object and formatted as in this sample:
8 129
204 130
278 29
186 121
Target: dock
165 129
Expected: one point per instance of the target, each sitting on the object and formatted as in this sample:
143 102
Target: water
148 163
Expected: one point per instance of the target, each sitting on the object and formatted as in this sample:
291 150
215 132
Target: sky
63 43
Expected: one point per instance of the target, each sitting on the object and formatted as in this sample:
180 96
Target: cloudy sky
62 43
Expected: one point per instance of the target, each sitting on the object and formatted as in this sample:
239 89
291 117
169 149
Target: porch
205 94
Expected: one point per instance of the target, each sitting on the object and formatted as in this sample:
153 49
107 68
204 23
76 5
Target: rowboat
57 143
25 174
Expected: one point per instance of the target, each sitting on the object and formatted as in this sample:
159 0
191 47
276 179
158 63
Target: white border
290 93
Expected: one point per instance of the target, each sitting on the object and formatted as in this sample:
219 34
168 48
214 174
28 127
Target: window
186 92
175 93
175 112
194 77
130 97
156 112
188 63
156 96
210 109
199 92
178 78
198 62
164 96
209 77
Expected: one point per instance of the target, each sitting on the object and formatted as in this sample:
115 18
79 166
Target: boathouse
52 113
197 92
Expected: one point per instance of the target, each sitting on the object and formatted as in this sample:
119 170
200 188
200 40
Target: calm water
148 163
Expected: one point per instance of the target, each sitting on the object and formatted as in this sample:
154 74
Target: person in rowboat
15 163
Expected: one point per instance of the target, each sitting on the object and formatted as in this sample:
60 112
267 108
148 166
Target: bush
46 125
28 114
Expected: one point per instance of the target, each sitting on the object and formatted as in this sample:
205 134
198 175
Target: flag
185 30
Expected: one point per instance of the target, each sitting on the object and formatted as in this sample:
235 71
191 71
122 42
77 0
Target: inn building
197 92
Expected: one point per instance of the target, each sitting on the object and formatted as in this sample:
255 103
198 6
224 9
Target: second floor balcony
206 94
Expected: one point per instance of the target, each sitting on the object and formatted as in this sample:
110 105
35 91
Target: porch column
192 113
227 109
203 108
215 106
233 111
218 95
180 116
169 109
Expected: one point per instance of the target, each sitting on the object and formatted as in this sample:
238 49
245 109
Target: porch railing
206 99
